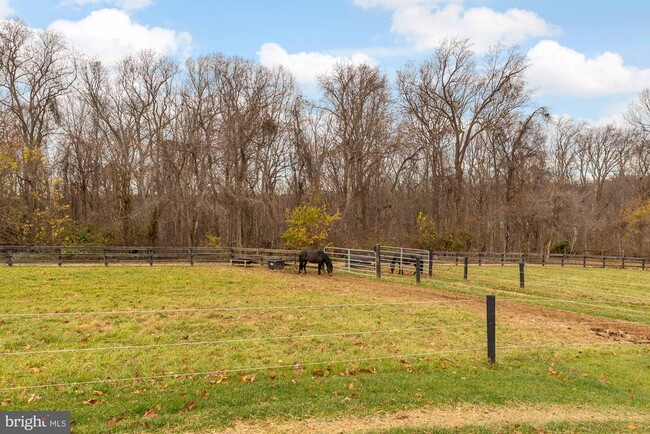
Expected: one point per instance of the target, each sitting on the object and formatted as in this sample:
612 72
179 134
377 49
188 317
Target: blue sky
589 59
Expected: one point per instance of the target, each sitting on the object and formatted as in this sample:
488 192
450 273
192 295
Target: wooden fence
14 255
352 260
495 258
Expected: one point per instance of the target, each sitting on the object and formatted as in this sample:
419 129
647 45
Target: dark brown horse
404 260
315 257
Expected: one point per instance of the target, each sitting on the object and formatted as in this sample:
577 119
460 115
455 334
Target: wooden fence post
418 268
150 252
623 263
59 258
491 329
9 258
378 261
466 267
430 263
521 274
190 252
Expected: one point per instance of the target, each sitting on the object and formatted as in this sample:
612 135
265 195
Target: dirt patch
449 418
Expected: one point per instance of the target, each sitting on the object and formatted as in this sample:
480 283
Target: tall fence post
604 262
543 260
480 259
430 263
59 257
584 261
643 263
378 261
418 268
521 274
456 258
466 267
503 259
563 255
491 329
105 258
150 253
190 251
623 263
9 258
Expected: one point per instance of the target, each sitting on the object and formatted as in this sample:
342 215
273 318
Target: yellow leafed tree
308 226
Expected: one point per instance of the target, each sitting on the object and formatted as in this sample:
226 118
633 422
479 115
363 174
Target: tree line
220 149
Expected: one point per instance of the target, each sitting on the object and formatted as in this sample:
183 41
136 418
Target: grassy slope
452 370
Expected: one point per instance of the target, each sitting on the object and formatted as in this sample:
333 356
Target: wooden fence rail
60 255
543 259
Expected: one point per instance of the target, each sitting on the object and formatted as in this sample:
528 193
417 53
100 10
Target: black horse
405 260
318 257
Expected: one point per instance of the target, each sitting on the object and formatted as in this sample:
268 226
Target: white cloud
556 69
110 34
127 5
306 66
425 23
5 9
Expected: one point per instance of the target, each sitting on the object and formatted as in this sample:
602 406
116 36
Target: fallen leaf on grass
113 421
91 402
250 379
190 406
150 414
6 402
33 398
205 394
98 392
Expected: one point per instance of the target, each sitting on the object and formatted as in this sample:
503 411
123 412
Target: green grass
210 346
612 293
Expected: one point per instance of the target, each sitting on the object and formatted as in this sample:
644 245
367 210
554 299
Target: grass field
206 349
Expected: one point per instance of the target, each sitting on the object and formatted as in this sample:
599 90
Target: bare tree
36 70
357 97
469 99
